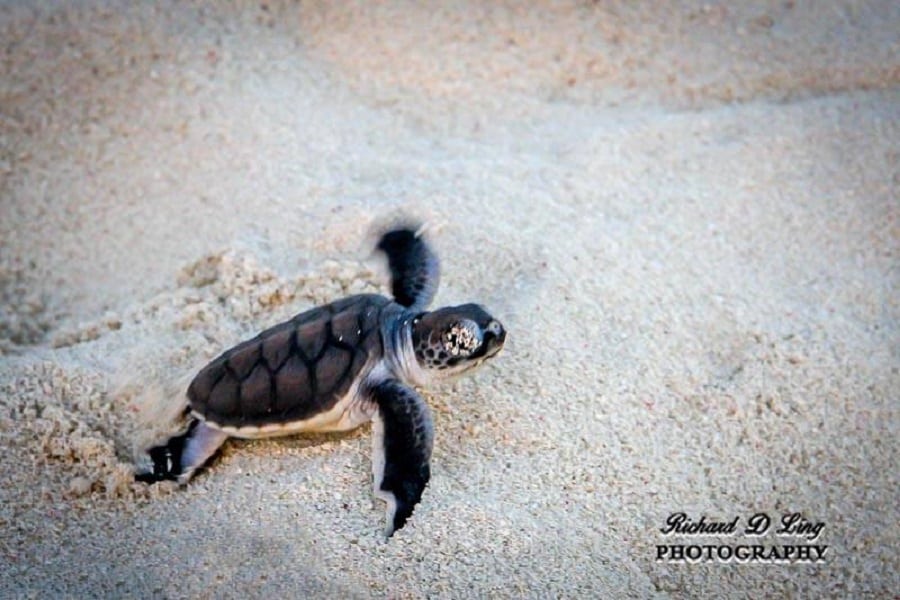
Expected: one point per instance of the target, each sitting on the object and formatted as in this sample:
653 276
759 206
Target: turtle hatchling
335 367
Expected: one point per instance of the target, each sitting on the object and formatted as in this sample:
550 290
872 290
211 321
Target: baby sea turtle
335 367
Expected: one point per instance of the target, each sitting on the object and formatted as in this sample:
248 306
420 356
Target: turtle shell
292 371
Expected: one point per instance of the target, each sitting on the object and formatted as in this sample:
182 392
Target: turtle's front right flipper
403 438
179 457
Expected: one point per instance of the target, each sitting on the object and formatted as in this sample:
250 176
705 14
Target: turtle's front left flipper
403 438
415 269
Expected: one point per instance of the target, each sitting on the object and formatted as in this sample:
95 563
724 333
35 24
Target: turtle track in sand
72 409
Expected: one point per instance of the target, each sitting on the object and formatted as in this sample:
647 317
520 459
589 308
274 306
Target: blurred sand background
687 217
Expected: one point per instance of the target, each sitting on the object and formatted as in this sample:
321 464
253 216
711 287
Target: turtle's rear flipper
183 454
403 437
415 269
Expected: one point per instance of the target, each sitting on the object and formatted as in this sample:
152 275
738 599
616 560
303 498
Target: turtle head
451 340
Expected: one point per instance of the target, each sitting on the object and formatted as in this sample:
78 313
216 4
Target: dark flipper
415 270
403 437
181 455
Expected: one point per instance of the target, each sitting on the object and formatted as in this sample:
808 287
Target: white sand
687 218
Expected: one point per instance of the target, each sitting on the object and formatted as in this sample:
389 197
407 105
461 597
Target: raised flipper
403 436
183 454
415 269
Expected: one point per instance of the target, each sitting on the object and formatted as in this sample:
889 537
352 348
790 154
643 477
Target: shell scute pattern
203 383
291 371
257 385
277 348
242 361
312 335
345 328
331 370
293 389
224 399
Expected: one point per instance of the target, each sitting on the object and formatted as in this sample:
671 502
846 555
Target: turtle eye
495 328
461 338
